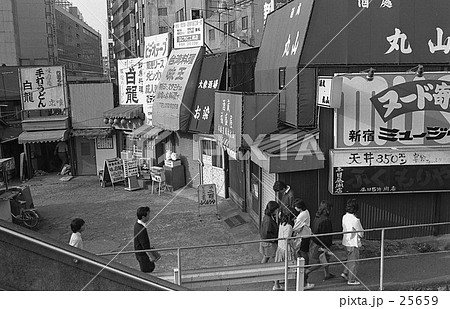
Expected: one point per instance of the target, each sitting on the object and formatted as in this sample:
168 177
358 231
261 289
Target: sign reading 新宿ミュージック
188 33
176 89
42 87
377 170
392 110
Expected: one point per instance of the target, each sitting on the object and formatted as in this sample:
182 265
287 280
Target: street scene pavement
110 213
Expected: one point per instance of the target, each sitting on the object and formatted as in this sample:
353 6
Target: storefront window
211 153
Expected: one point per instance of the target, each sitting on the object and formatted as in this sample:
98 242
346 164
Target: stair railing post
179 265
300 286
382 259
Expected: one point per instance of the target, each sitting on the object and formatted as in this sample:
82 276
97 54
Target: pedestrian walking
77 226
141 240
284 231
302 227
351 241
286 197
269 230
319 250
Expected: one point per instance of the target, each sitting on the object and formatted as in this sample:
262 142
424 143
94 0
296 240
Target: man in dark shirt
286 198
141 240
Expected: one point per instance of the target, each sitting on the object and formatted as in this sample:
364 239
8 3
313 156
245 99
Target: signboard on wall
376 170
228 119
392 110
156 51
131 81
188 33
42 87
176 89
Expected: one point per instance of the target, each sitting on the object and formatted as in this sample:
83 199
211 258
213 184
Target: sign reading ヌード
176 89
392 110
387 170
42 87
188 33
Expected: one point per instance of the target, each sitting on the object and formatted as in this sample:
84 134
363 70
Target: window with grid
232 26
225 26
162 11
163 29
211 153
244 22
212 34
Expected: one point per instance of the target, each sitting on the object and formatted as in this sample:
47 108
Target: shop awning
288 150
150 132
9 134
125 111
202 111
92 132
43 136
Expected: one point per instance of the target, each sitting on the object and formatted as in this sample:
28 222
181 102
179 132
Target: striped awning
288 150
125 111
150 132
92 132
43 136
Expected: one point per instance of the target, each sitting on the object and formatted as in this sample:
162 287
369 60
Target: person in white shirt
351 241
77 226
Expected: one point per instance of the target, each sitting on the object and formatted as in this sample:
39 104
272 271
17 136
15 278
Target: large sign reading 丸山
42 87
392 110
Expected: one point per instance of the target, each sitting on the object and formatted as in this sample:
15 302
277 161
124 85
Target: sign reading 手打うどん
42 87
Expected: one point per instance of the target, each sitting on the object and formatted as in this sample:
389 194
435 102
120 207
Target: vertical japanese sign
156 51
176 89
188 33
42 87
323 91
228 119
131 81
393 110
209 81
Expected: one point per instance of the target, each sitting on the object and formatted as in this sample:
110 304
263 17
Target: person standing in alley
141 240
62 150
77 226
284 231
269 230
351 241
286 197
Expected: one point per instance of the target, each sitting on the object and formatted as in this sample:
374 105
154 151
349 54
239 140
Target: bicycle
29 217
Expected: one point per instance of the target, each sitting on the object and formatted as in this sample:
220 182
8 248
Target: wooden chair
161 180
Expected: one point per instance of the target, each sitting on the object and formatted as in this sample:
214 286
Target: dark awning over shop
43 136
209 81
9 134
93 133
150 132
288 150
125 111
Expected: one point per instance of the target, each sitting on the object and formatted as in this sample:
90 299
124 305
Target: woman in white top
284 231
302 227
351 241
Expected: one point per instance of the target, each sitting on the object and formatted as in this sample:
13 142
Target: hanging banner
228 119
42 87
176 89
156 51
392 110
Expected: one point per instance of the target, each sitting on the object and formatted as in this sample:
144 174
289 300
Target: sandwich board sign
113 171
207 195
130 171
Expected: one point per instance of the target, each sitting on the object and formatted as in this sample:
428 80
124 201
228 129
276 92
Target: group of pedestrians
290 218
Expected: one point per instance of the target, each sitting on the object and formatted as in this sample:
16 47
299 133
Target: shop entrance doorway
254 193
86 159
213 165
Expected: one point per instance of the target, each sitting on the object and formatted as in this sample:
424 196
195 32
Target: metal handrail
287 266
